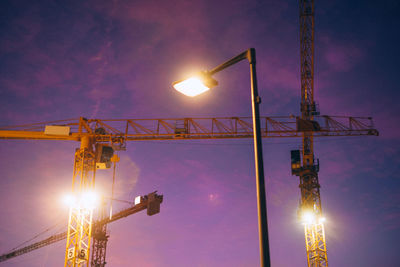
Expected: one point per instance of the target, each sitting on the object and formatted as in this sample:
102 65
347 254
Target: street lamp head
198 84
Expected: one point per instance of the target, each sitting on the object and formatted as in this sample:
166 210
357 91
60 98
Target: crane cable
36 236
114 159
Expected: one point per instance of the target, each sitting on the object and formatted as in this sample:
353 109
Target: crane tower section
304 164
81 210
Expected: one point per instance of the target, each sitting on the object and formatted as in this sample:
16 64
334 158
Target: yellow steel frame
311 203
80 218
122 130
118 132
316 245
309 185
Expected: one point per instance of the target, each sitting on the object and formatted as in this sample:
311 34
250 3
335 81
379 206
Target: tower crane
150 202
310 205
303 162
310 210
99 138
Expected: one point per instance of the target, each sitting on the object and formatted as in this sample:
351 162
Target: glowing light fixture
89 200
195 85
137 200
308 217
69 200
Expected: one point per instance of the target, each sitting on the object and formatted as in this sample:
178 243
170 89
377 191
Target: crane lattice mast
310 209
100 239
80 217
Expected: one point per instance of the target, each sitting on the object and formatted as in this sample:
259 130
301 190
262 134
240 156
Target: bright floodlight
195 85
137 200
89 200
69 200
308 217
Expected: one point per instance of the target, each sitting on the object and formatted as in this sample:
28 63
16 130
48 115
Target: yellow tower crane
150 202
99 138
304 163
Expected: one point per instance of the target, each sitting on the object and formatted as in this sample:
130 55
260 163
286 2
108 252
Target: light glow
191 87
308 217
197 84
137 200
69 200
87 200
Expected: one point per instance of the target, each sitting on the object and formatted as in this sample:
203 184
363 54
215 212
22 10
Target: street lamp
201 83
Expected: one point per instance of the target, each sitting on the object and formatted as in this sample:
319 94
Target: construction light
137 200
89 200
195 85
308 217
69 200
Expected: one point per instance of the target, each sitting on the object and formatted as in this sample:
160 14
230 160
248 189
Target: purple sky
117 59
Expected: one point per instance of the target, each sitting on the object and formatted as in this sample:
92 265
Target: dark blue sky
117 59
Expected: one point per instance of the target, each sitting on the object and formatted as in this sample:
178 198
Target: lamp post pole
259 166
250 55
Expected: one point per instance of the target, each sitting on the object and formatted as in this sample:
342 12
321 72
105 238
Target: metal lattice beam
192 128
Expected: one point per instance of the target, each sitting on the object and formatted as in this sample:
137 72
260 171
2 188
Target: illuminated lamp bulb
195 85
